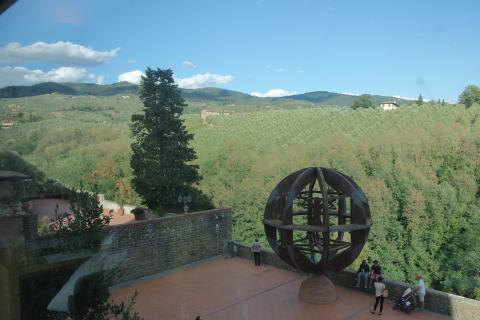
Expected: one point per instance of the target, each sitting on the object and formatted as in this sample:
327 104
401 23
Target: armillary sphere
317 219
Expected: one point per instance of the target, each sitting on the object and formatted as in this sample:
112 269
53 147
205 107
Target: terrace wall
458 307
157 245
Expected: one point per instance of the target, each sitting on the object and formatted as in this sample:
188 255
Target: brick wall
156 245
458 307
30 227
12 242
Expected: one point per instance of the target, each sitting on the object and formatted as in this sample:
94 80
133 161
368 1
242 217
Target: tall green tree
470 95
162 158
363 101
420 100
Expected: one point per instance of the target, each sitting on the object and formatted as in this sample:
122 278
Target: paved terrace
235 289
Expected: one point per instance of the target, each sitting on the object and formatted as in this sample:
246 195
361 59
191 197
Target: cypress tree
420 100
161 156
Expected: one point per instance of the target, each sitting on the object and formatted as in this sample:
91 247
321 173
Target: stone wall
12 242
458 307
267 256
156 245
30 227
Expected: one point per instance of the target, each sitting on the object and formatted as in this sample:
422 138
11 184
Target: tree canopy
363 101
469 96
161 155
82 228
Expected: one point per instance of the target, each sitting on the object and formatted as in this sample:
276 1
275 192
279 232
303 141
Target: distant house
213 112
389 105
6 124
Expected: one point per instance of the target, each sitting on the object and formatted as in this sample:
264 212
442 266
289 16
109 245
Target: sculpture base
317 290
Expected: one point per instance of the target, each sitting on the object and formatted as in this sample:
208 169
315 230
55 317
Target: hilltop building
6 124
213 112
389 105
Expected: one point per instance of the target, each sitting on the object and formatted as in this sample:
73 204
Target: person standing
376 272
256 249
379 295
420 291
362 274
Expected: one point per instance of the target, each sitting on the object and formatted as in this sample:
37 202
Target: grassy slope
250 153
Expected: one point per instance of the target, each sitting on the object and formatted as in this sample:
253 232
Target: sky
260 47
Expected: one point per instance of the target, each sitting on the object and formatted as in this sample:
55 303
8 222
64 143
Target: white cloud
300 71
281 70
134 76
63 53
351 94
188 64
194 82
408 98
203 80
131 61
273 93
10 76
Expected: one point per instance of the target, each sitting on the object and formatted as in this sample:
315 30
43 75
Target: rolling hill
74 89
222 96
339 99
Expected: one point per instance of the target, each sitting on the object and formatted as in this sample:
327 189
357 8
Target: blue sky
397 48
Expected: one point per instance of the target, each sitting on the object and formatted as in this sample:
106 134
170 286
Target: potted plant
139 213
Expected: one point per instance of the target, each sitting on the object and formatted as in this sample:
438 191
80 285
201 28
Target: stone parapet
459 308
156 245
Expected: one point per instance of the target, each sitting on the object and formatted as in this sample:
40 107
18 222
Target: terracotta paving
45 209
235 289
118 218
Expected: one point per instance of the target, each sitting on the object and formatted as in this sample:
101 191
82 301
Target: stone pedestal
317 289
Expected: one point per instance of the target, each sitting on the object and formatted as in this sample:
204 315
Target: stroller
406 302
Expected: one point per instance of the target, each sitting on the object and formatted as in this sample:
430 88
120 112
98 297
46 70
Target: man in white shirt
256 249
420 291
379 288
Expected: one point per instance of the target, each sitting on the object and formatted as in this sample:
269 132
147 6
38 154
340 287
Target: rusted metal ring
317 219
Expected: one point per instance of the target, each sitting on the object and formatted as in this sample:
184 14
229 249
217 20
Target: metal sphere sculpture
317 219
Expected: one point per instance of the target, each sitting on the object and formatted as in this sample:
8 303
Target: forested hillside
419 166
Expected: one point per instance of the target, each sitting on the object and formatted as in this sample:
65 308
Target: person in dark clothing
362 274
256 252
376 272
